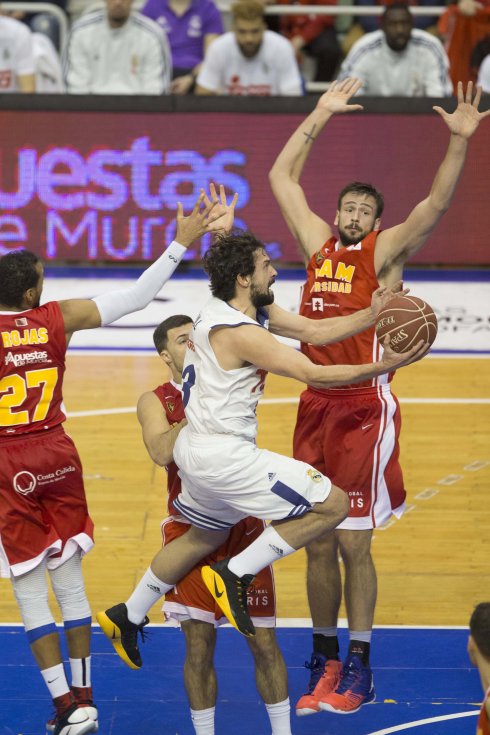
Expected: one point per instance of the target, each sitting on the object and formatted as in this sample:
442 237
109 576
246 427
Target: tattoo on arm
309 136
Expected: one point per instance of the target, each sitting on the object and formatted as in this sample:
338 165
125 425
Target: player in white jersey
225 476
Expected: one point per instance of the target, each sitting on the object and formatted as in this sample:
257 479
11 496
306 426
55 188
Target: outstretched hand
337 96
208 215
383 295
465 118
225 211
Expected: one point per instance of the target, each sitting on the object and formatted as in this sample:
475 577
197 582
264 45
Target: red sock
63 703
83 695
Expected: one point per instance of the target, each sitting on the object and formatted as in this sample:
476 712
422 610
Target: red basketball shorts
352 437
43 511
190 599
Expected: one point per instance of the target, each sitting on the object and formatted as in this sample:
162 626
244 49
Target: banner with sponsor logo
104 186
462 309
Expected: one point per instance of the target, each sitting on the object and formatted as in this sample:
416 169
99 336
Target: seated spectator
42 22
16 57
462 26
484 75
117 51
370 23
190 25
398 59
315 36
49 77
249 60
481 50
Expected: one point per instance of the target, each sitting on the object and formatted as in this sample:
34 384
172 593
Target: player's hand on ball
383 295
394 360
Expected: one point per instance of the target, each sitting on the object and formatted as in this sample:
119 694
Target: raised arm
395 245
309 230
158 435
257 346
208 215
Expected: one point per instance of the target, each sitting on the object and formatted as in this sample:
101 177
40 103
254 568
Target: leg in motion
271 678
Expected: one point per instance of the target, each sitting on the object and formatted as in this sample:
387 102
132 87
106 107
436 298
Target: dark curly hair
358 187
17 274
230 256
480 628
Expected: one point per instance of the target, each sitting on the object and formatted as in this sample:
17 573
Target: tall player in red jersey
351 434
479 652
161 415
44 522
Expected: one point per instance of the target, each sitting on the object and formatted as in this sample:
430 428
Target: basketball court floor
432 564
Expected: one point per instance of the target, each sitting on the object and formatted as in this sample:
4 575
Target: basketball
406 320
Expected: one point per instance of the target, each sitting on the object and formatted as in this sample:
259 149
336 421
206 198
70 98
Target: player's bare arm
249 344
159 435
208 215
332 329
309 230
395 245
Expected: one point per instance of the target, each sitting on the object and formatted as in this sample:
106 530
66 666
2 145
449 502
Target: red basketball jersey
340 281
32 353
483 727
170 397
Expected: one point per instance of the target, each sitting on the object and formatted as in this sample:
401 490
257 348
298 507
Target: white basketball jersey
218 401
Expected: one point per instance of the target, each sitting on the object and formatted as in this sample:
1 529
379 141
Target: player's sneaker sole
113 632
369 699
217 587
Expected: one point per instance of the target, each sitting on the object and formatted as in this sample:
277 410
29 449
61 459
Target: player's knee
264 646
69 590
336 505
200 639
31 593
322 549
355 545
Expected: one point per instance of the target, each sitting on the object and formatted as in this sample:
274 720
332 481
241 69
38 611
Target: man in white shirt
117 51
484 75
16 57
249 60
399 59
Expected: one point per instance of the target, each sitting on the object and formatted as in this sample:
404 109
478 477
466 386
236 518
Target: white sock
55 680
268 548
81 672
203 721
148 591
279 715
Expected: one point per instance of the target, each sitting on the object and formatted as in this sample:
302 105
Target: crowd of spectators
190 47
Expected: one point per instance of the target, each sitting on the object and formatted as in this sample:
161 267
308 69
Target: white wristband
116 304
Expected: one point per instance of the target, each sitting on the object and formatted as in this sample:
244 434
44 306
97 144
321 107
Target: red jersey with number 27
32 366
340 281
170 396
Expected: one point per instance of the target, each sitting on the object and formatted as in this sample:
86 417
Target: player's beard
261 298
351 238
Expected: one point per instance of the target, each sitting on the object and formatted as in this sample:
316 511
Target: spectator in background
315 36
190 25
249 60
462 26
370 23
398 59
43 22
477 59
16 57
49 76
117 51
484 75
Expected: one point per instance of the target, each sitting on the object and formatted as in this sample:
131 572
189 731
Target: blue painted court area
420 674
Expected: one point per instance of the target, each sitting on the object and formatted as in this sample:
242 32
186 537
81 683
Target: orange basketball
406 320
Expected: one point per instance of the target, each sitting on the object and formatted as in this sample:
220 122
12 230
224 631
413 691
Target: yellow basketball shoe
230 592
122 633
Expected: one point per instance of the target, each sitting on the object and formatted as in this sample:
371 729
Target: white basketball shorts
226 478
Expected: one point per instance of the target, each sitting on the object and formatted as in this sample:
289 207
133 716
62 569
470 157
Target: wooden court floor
433 565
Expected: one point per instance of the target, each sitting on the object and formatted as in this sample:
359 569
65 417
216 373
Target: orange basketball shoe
355 688
325 675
